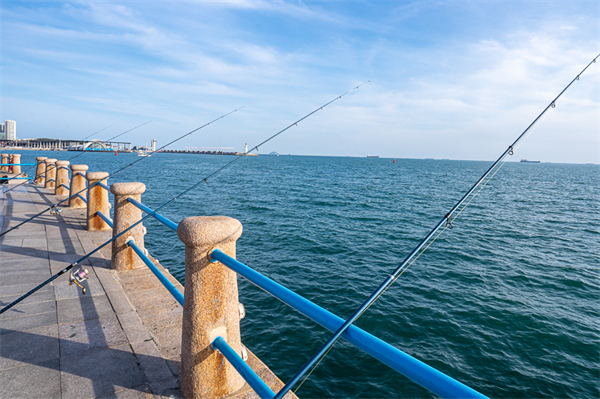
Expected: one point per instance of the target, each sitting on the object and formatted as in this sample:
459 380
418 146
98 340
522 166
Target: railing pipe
419 372
163 279
104 186
170 224
105 218
245 371
82 198
15 178
18 164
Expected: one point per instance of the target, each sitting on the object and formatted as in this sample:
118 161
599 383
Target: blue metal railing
419 372
104 186
81 198
18 164
163 279
65 186
170 224
245 371
14 178
105 218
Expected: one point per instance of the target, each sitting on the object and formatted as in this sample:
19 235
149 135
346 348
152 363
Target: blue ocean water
506 302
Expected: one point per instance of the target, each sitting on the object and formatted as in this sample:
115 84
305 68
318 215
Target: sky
447 79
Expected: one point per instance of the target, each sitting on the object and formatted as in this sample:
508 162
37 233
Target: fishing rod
114 173
14 177
173 199
446 221
78 155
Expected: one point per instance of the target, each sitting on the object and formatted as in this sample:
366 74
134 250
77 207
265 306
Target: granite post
78 181
4 161
40 172
97 198
62 178
16 168
126 214
50 175
210 308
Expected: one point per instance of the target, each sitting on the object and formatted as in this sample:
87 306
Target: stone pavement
121 340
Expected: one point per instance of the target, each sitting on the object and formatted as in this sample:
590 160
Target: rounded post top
199 231
96 175
79 168
16 155
62 163
127 188
40 158
50 160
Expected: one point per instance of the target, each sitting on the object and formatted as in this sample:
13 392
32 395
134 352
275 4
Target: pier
123 338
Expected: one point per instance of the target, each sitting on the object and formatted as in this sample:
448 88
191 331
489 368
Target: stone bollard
210 309
62 178
40 172
50 176
4 161
16 160
77 184
97 198
126 214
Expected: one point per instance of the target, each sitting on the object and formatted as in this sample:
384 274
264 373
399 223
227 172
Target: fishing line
173 199
81 153
114 173
445 222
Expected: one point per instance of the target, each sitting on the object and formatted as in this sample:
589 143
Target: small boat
372 156
527 161
142 153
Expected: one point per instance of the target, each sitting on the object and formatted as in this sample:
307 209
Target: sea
507 301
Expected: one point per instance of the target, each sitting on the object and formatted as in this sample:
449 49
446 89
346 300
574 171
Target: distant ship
525 160
372 156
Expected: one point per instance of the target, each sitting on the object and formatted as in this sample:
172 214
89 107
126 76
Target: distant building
2 134
10 130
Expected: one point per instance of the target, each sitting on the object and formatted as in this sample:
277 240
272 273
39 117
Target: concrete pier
121 340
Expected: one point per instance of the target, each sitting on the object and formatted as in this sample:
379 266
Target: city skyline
449 79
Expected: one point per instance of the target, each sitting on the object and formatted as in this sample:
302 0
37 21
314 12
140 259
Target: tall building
2 134
10 130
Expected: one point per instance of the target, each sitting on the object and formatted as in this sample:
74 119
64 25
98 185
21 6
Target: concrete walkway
121 340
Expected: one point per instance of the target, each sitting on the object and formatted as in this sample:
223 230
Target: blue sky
449 79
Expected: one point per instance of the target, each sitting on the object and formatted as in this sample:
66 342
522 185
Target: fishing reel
55 211
77 277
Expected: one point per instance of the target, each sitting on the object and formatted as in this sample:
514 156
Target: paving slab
99 372
41 380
